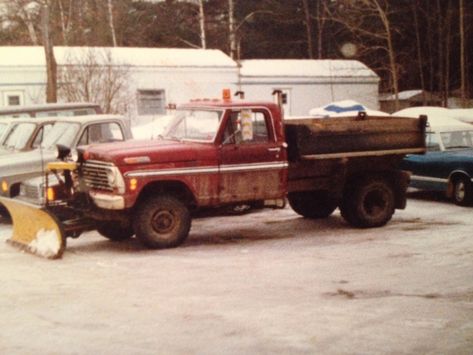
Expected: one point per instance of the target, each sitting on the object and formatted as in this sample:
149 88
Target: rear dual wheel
312 204
368 202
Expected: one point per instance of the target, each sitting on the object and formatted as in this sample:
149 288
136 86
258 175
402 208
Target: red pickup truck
221 153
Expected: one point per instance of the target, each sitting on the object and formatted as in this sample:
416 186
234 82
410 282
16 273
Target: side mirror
62 151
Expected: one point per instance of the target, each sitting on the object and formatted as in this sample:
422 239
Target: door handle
278 149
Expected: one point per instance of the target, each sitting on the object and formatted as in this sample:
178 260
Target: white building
309 83
160 76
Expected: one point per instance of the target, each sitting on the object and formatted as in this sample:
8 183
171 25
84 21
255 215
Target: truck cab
216 153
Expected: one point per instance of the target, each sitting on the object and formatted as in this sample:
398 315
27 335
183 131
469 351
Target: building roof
14 56
411 95
326 68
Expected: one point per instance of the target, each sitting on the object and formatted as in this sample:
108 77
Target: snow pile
343 108
463 114
5 234
439 116
47 243
151 129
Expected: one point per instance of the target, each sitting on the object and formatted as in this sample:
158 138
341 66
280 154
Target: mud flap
35 230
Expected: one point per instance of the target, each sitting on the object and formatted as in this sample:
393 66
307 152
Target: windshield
19 136
457 139
62 133
199 125
3 127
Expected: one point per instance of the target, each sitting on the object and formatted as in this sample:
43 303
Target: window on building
13 98
151 102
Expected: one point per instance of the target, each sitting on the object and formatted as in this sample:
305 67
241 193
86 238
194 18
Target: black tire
462 193
115 231
312 204
162 222
368 203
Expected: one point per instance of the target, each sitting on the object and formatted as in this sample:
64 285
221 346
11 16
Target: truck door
252 163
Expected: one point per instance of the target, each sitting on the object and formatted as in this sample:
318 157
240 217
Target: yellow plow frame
35 230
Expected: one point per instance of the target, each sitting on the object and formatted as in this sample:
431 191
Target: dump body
323 153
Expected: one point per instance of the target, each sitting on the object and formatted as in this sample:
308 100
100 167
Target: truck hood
158 151
25 162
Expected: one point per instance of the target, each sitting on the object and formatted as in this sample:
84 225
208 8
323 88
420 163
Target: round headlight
111 177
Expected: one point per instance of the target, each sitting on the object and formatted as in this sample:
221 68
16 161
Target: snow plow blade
35 230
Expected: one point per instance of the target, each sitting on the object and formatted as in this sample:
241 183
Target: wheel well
454 177
174 188
15 189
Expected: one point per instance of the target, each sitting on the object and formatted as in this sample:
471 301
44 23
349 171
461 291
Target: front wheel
368 203
162 222
462 192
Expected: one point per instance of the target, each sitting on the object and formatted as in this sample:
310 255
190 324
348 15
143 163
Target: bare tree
231 29
91 75
369 19
110 22
320 18
462 53
66 20
203 37
26 11
308 27
420 60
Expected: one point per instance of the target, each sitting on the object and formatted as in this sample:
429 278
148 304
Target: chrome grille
33 191
94 174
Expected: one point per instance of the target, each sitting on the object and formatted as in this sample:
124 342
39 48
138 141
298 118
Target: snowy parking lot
262 283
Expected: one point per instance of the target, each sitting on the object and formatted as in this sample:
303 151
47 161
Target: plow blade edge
35 229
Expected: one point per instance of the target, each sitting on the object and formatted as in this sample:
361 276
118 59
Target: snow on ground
264 283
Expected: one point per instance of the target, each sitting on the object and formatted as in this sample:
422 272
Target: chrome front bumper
108 202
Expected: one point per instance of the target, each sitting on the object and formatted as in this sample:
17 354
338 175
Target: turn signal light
133 184
4 186
50 195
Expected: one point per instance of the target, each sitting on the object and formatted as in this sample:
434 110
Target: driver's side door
252 163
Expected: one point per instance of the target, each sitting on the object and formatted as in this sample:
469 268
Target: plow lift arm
36 228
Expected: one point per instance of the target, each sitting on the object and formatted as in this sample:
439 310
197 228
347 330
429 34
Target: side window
432 142
101 133
42 132
246 127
